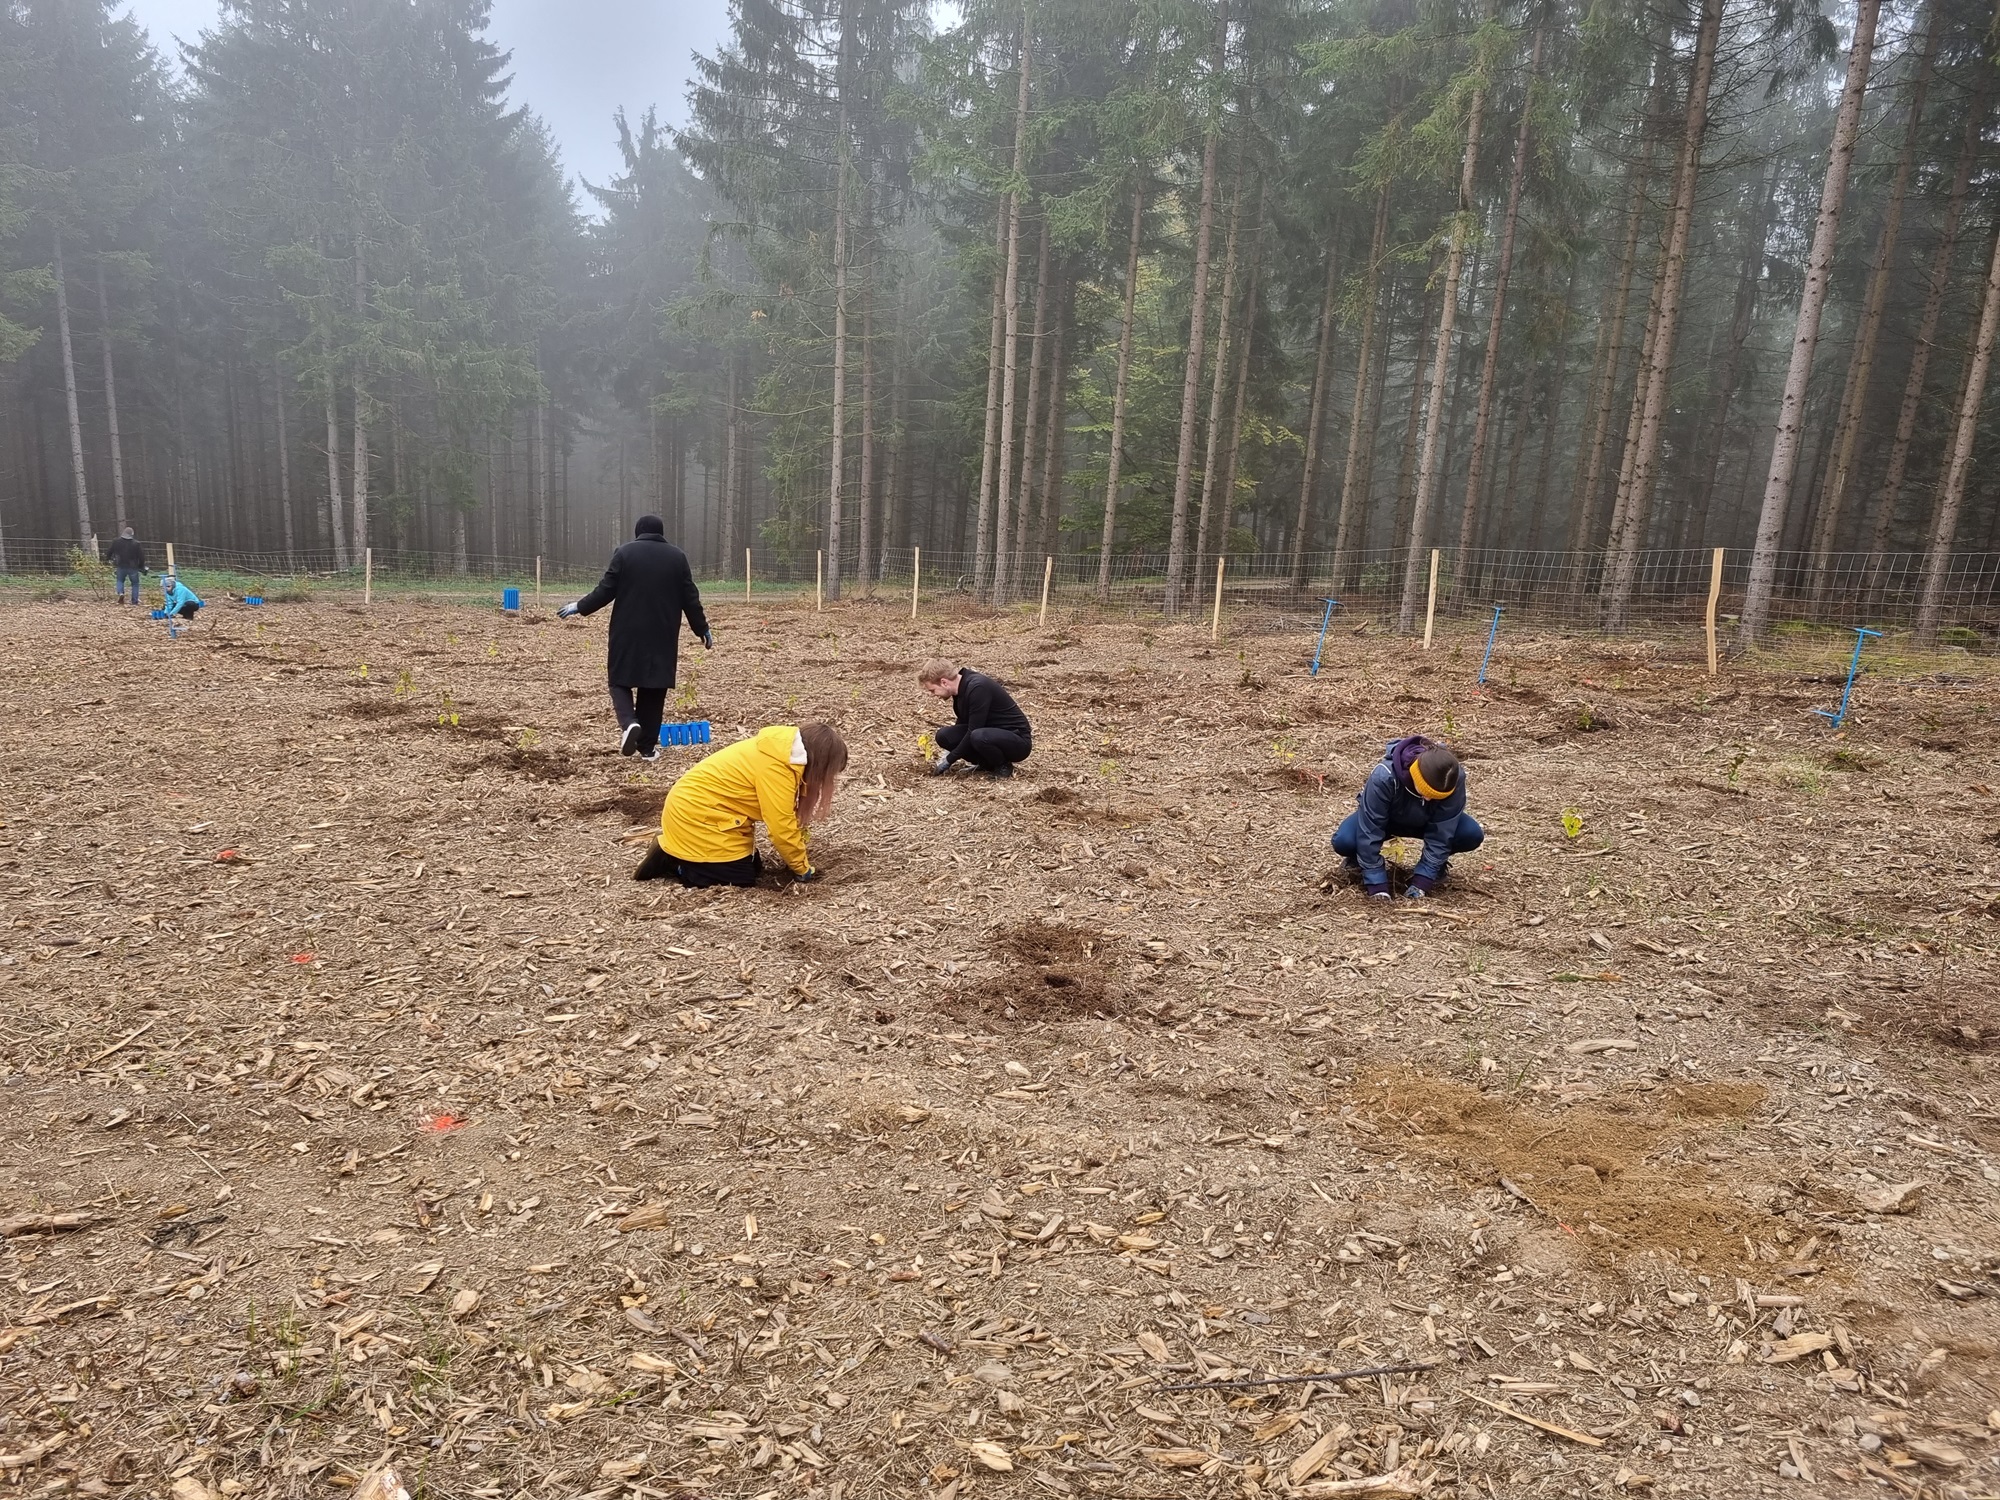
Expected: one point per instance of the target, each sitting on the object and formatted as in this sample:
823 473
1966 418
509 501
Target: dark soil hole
636 804
1057 796
1060 973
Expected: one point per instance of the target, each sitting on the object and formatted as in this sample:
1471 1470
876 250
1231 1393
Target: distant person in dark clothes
1417 791
990 731
649 586
128 561
177 599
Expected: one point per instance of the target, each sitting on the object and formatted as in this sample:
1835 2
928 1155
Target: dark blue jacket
1390 807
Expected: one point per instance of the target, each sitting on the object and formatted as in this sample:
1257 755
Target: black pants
988 749
660 865
642 706
186 611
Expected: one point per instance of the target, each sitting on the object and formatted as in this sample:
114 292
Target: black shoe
657 865
628 742
1003 769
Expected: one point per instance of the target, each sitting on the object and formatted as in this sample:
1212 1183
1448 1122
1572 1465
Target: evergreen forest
1316 285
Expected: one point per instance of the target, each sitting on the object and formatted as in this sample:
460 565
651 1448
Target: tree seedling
1572 823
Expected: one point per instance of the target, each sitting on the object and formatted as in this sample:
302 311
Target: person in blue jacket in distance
1416 791
177 600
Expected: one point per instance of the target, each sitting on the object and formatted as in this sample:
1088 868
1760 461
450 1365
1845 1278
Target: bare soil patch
359 1103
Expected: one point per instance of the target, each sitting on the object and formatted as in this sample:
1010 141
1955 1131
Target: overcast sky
575 61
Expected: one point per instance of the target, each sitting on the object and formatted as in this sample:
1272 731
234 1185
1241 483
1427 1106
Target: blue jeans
1466 837
121 577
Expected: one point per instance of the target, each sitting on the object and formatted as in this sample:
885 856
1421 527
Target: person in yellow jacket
782 777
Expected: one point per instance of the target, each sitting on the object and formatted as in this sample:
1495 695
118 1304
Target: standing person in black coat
989 731
128 561
649 586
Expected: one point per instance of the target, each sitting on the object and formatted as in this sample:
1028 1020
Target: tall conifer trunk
1116 457
1355 476
989 451
358 508
1030 428
1050 508
1197 335
336 522
1010 354
1316 413
1489 370
1672 286
1951 491
1861 366
1889 493
111 396
1436 417
865 523
86 533
1218 386
1819 272
284 467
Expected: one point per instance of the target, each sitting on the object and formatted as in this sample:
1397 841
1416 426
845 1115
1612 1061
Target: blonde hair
935 670
826 758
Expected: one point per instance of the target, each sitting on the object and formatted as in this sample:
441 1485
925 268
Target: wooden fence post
819 580
1048 572
916 577
1430 606
170 558
368 577
1714 594
1215 620
538 584
746 575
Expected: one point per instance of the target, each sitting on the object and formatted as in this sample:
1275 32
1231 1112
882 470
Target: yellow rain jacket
712 811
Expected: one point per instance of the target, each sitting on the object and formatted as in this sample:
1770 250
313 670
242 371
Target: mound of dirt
1610 1174
1058 973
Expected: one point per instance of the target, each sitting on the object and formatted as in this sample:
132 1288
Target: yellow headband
1424 788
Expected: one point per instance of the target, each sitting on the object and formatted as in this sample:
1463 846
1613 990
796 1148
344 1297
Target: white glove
566 611
942 763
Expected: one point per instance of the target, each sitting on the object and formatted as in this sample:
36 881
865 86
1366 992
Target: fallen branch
1328 1376
1520 1416
43 1223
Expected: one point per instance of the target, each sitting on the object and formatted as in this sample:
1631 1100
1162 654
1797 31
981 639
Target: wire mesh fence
1816 602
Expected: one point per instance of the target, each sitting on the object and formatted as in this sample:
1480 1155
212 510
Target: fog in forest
1566 294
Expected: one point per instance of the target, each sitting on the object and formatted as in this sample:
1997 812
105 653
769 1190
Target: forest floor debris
414 1140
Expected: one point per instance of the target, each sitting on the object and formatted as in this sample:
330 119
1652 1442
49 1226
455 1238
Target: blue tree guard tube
1325 620
1489 645
1838 716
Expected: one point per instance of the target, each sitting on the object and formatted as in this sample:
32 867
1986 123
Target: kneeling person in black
991 732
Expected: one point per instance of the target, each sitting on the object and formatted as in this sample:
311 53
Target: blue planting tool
1489 645
510 601
1325 620
1838 716
254 599
695 732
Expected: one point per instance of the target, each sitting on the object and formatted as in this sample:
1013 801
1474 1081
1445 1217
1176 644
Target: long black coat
649 586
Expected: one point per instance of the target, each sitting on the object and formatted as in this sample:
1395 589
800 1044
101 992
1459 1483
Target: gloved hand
1420 886
1378 892
806 876
942 764
566 611
708 638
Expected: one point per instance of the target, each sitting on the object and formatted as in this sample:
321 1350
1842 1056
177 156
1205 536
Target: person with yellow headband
1417 791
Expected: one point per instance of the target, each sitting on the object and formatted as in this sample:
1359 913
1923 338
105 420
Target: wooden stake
1714 593
1215 620
819 580
746 574
538 584
916 577
1431 605
170 558
368 577
1048 572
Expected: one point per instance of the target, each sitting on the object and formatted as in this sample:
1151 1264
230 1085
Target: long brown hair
826 758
